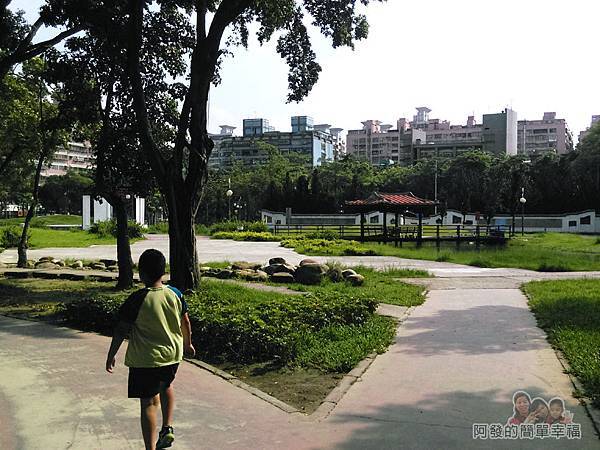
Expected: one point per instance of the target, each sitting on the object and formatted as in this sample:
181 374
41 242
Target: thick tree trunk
23 244
183 257
125 280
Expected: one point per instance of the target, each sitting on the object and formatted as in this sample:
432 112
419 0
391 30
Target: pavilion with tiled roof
395 203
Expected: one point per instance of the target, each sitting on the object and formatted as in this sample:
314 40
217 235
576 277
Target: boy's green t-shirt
156 338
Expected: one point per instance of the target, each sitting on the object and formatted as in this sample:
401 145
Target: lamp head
229 193
523 200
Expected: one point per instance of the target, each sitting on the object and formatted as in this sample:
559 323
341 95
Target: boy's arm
186 329
121 332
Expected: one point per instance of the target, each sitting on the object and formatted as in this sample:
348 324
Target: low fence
403 233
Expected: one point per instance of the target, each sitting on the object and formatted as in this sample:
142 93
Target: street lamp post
229 193
523 200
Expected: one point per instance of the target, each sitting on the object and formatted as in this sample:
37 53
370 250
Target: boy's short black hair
152 264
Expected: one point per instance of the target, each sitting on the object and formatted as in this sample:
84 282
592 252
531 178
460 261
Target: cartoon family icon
538 410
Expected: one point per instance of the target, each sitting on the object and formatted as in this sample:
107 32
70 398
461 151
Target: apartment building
74 156
538 137
315 143
584 133
423 137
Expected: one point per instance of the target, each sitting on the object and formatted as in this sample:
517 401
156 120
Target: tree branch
9 159
152 152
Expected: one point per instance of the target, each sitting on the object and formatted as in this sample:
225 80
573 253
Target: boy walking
156 320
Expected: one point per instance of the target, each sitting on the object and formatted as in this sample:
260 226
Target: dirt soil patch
302 388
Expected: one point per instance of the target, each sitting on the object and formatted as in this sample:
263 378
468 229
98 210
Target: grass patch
253 236
541 251
46 237
383 285
41 221
569 312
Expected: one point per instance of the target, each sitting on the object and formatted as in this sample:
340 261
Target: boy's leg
149 410
167 404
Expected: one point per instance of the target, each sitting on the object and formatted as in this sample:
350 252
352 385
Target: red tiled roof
400 199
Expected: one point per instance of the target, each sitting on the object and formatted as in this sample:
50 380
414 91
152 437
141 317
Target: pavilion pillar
362 227
385 225
420 233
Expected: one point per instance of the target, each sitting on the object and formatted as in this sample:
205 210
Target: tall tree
183 175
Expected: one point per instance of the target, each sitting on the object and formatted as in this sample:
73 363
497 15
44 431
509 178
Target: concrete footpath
456 361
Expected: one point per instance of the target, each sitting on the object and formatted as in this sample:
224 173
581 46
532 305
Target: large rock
46 259
224 274
47 265
275 268
282 277
58 262
261 276
109 262
113 268
310 273
97 266
77 265
335 274
356 280
277 260
242 265
347 273
245 274
308 261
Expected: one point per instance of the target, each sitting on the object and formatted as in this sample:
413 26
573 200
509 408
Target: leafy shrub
254 328
268 329
38 222
327 247
233 226
11 236
597 241
158 228
108 228
202 230
93 313
328 235
246 236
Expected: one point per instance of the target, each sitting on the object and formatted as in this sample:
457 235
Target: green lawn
569 312
57 219
46 237
540 251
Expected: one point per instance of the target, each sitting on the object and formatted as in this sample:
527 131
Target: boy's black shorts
145 382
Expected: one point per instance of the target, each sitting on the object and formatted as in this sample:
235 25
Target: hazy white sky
457 57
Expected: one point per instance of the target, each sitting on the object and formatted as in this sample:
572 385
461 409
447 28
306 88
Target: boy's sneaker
165 437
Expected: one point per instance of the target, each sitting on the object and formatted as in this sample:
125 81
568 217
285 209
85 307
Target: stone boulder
348 273
47 265
98 266
46 259
310 273
30 264
261 276
225 274
77 265
308 261
275 268
242 265
356 280
277 260
59 262
282 277
335 274
109 262
113 268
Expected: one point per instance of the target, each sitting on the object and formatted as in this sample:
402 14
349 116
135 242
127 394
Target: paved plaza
456 361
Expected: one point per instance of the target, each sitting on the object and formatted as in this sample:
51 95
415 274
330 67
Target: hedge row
270 327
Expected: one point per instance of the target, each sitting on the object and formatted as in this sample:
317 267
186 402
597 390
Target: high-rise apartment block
584 133
73 156
317 143
426 138
536 137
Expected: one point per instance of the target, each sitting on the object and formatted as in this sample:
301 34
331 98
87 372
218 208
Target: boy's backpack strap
184 306
129 310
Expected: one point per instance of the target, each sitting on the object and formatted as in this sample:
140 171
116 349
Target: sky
459 58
